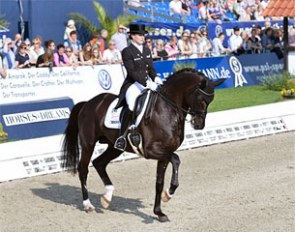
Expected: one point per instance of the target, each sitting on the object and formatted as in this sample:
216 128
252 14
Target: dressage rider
141 74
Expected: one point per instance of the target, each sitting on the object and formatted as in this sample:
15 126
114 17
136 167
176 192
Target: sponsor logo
237 69
36 116
218 30
104 79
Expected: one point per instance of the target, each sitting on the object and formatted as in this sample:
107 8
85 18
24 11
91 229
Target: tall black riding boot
121 142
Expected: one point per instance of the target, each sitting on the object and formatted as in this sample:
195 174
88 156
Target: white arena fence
42 154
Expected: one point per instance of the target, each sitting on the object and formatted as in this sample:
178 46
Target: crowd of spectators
17 54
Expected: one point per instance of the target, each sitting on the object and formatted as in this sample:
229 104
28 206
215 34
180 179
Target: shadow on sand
71 195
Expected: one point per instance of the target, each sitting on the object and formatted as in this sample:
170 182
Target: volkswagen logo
104 79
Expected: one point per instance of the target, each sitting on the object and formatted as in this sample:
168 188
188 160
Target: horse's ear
219 82
203 84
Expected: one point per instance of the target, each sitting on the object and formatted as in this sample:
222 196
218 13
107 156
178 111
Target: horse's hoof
88 207
163 218
166 196
104 202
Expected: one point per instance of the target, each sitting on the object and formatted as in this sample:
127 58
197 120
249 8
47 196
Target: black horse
185 92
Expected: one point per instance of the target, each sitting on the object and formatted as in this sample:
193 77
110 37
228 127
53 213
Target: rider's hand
158 80
151 85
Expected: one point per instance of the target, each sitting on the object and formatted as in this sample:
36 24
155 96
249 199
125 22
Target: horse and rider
184 92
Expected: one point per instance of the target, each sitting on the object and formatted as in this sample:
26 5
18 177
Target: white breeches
132 93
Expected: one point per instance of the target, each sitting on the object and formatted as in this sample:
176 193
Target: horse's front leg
175 161
161 169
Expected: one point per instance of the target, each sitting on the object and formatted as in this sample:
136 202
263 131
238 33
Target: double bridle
188 111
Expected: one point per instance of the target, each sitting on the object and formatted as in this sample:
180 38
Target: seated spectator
254 43
184 46
69 28
159 51
235 42
95 56
246 15
22 59
238 9
258 13
171 48
85 54
46 59
120 38
203 11
185 6
93 42
3 68
71 57
36 50
112 55
60 58
74 43
217 46
175 7
216 12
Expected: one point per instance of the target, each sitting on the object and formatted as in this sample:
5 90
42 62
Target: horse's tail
70 146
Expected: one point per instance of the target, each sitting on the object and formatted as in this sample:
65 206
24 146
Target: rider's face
138 38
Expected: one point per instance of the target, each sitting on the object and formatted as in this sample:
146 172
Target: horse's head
199 98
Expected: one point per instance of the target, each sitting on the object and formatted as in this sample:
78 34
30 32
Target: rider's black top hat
137 29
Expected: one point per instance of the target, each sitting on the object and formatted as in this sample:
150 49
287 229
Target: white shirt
112 56
120 39
235 42
139 47
217 47
175 7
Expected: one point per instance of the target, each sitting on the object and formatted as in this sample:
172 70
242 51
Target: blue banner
243 70
35 119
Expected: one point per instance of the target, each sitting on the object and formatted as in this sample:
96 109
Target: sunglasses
68 51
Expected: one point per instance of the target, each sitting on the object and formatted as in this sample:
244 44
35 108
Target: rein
189 111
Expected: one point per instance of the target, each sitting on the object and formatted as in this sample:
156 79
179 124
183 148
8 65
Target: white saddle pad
112 119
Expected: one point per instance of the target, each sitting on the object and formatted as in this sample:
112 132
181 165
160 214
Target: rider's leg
132 93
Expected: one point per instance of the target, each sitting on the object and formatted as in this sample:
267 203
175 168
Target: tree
104 19
3 22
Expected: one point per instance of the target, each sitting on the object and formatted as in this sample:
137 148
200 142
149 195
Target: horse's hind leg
161 169
100 164
83 172
175 161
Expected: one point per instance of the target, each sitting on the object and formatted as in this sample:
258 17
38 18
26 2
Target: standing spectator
217 46
46 59
216 12
120 38
292 37
8 54
159 50
150 45
254 43
277 45
171 48
22 59
96 56
17 42
60 58
3 68
184 46
245 44
69 28
205 44
71 57
85 54
192 41
258 13
235 41
36 50
103 41
112 55
267 40
93 42
74 43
